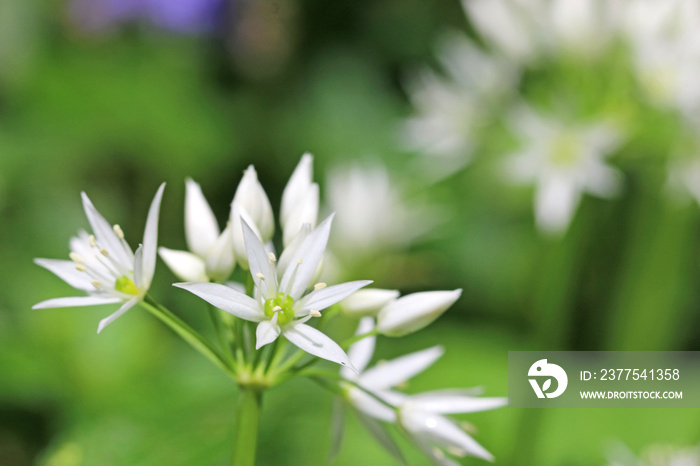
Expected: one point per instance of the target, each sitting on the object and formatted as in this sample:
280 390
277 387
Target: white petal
238 216
108 320
497 21
185 265
314 342
66 271
251 196
319 300
397 371
138 268
266 332
76 301
201 228
451 403
289 253
360 353
414 311
297 187
367 302
441 431
310 251
220 260
105 235
556 200
150 241
369 405
226 299
261 268
306 211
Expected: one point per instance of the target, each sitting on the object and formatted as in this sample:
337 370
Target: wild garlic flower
300 200
372 213
414 311
454 107
250 203
210 255
563 162
665 40
281 304
104 265
373 394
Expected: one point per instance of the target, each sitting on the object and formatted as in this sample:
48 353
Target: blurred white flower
250 204
281 306
413 312
373 395
367 302
104 265
655 455
563 162
452 109
300 200
211 256
371 212
665 39
524 30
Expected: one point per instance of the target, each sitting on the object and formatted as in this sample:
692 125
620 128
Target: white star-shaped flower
210 254
104 266
563 162
280 306
421 415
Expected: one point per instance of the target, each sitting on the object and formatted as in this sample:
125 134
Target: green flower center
565 150
126 285
282 305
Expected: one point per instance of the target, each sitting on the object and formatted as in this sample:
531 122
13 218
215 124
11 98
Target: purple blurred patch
181 16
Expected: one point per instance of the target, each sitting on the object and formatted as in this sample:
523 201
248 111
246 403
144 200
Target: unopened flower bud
414 311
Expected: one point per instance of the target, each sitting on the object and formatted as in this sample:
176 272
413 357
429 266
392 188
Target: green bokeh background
117 112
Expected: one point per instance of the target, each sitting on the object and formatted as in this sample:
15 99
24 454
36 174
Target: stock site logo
542 369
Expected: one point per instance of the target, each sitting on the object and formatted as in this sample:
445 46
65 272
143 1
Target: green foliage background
118 112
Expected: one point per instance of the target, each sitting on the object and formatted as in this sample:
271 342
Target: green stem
191 336
350 341
220 330
245 430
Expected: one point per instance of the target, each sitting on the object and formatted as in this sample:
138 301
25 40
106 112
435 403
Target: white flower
413 312
104 266
665 41
211 255
367 302
421 415
300 200
452 110
281 306
250 203
371 212
563 162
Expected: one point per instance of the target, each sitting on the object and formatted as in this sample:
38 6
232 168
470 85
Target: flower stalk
246 424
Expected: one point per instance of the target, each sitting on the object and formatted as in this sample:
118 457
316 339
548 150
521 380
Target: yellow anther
456 451
277 308
319 286
104 252
314 314
97 284
467 427
75 257
81 268
439 454
118 231
260 276
300 260
92 241
272 257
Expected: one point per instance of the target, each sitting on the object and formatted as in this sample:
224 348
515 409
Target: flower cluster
275 295
573 84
